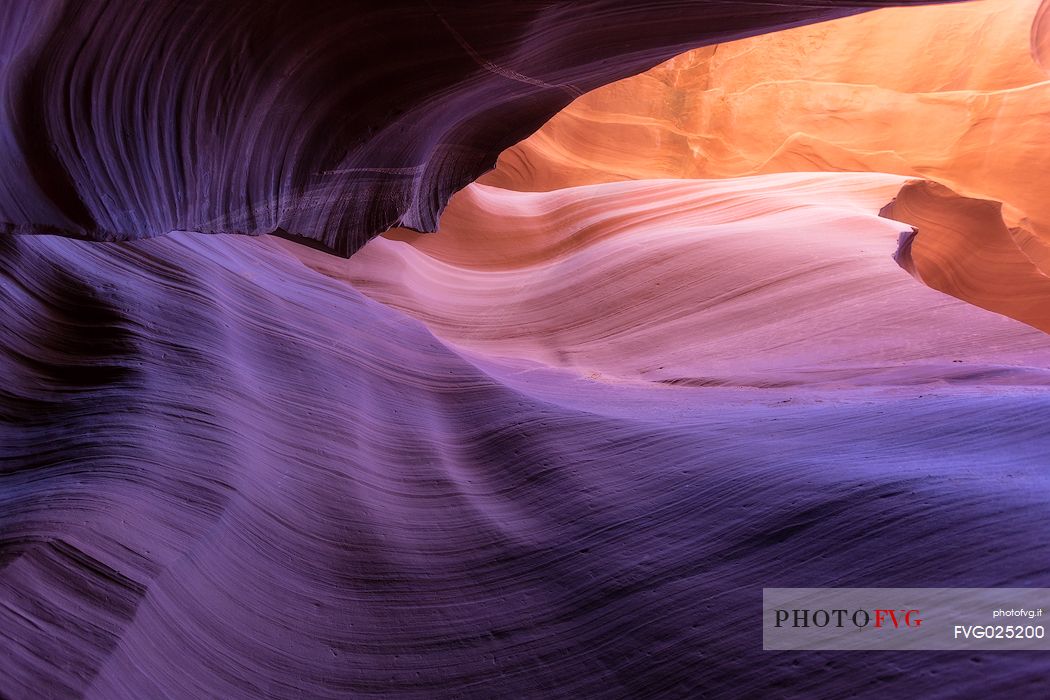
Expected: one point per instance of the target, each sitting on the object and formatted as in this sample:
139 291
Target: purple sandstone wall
225 474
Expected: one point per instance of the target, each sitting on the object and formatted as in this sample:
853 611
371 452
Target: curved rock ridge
773 280
947 93
1040 38
963 247
227 475
317 119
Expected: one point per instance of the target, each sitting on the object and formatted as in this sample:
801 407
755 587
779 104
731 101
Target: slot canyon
510 350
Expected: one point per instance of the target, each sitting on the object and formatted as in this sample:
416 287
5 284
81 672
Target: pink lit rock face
649 281
556 449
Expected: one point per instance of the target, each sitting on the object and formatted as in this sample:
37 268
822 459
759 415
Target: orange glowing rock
964 248
955 94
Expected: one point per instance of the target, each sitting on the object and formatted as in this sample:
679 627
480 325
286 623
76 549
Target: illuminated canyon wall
769 313
958 96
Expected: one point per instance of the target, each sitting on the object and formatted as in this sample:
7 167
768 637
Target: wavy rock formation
124 119
948 93
776 280
557 449
954 94
227 475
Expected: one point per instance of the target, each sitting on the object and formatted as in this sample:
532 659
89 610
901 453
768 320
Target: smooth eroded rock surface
227 475
325 120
